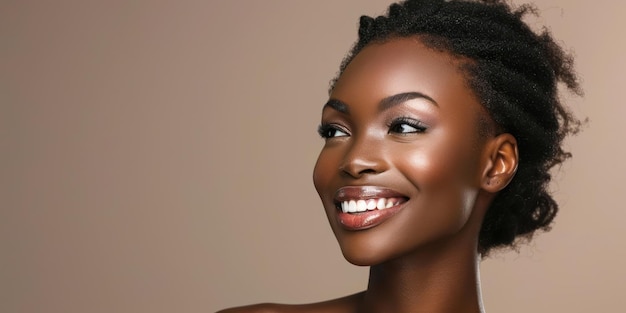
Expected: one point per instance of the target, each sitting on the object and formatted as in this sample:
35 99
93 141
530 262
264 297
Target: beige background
157 157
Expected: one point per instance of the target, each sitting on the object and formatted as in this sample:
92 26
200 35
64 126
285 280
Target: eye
327 131
406 125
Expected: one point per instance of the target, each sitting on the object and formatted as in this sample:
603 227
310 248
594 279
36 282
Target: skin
425 147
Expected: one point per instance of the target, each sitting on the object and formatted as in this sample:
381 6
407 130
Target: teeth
380 204
361 206
354 206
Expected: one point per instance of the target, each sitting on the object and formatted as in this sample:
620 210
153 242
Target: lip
368 219
365 193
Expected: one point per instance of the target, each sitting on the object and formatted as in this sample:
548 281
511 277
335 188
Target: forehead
403 65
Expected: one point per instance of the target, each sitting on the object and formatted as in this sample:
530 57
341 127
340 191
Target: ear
501 162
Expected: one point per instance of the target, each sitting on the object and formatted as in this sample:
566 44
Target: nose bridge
364 156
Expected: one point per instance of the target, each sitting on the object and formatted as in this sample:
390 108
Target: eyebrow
394 100
385 103
338 105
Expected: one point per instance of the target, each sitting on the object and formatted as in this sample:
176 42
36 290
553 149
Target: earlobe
502 160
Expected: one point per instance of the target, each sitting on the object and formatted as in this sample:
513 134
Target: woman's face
402 150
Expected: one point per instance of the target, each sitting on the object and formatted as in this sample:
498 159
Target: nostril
363 159
368 171
358 171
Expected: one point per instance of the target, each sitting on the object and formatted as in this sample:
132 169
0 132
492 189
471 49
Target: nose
364 157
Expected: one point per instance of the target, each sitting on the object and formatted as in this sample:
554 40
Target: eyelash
324 130
413 123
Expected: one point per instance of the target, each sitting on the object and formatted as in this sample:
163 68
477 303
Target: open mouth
359 199
364 205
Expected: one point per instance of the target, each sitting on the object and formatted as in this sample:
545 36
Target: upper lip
348 193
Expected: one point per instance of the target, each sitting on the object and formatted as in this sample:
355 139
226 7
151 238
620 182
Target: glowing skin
401 118
405 179
402 123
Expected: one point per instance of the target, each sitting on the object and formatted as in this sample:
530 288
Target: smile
363 207
355 206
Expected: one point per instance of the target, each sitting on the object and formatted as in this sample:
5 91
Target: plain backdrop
156 156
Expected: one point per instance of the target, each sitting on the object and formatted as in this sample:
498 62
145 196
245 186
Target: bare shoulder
341 305
256 308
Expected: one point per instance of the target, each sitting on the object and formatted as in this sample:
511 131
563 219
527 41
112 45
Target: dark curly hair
514 72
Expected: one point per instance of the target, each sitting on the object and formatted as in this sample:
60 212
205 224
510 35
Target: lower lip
367 219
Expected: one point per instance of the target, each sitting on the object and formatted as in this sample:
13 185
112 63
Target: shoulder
257 308
340 305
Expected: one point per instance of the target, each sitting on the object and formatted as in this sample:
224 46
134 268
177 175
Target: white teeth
371 204
361 206
354 206
380 204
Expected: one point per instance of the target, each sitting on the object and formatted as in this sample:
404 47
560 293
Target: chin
361 259
365 254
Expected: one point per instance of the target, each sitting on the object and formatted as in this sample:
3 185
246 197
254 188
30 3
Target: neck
441 282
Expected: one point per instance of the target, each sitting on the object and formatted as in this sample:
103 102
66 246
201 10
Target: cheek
444 178
324 169
446 157
434 167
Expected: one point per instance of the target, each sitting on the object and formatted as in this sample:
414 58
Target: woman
440 131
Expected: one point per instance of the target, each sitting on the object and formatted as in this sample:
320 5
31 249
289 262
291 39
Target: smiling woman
440 132
421 153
